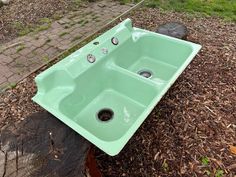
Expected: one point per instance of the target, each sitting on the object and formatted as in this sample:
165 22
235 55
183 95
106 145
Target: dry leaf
232 149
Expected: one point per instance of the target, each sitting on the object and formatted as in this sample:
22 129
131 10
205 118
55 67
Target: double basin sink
106 89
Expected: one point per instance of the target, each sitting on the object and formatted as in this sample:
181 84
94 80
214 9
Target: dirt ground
22 14
190 131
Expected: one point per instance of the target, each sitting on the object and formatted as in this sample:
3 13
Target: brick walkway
21 56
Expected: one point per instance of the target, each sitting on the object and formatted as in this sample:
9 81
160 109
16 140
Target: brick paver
24 54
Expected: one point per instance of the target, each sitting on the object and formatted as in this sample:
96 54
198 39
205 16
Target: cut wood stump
173 29
40 146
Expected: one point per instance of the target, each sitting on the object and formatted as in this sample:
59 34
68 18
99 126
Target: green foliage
19 48
84 22
81 21
63 33
128 1
42 28
77 2
23 29
207 172
205 161
45 20
94 17
12 85
44 24
48 40
57 16
45 59
17 25
76 38
223 8
165 166
219 173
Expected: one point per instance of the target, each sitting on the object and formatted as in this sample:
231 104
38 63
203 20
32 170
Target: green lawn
223 8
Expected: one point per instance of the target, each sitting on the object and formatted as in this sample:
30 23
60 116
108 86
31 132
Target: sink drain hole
105 114
145 73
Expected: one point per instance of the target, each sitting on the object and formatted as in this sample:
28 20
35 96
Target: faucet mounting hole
91 58
96 43
115 41
105 114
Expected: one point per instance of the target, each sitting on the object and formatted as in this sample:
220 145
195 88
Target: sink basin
106 89
127 98
159 55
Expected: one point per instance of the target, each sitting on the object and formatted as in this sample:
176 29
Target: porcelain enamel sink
106 89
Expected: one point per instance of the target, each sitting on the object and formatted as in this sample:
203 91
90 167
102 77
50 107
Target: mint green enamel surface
74 90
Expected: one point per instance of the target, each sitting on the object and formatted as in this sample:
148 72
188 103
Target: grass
76 38
20 27
97 20
205 161
63 34
48 40
80 22
12 85
57 16
42 28
45 59
94 17
225 9
44 24
128 1
219 173
207 172
66 26
45 20
23 29
84 23
77 2
19 48
165 166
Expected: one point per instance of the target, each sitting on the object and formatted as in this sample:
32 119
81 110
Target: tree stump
173 29
40 146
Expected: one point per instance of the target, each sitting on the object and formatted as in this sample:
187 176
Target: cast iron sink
106 89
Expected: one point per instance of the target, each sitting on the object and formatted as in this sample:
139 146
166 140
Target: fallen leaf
232 149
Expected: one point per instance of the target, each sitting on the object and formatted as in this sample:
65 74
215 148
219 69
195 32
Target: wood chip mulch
192 130
196 118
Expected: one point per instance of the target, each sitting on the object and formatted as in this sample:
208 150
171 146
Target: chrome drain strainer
145 73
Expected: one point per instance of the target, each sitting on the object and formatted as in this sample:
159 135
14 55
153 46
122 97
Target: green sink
106 89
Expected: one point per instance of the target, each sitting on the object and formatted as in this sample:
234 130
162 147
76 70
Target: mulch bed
196 119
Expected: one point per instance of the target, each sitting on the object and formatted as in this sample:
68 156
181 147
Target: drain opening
105 114
145 73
